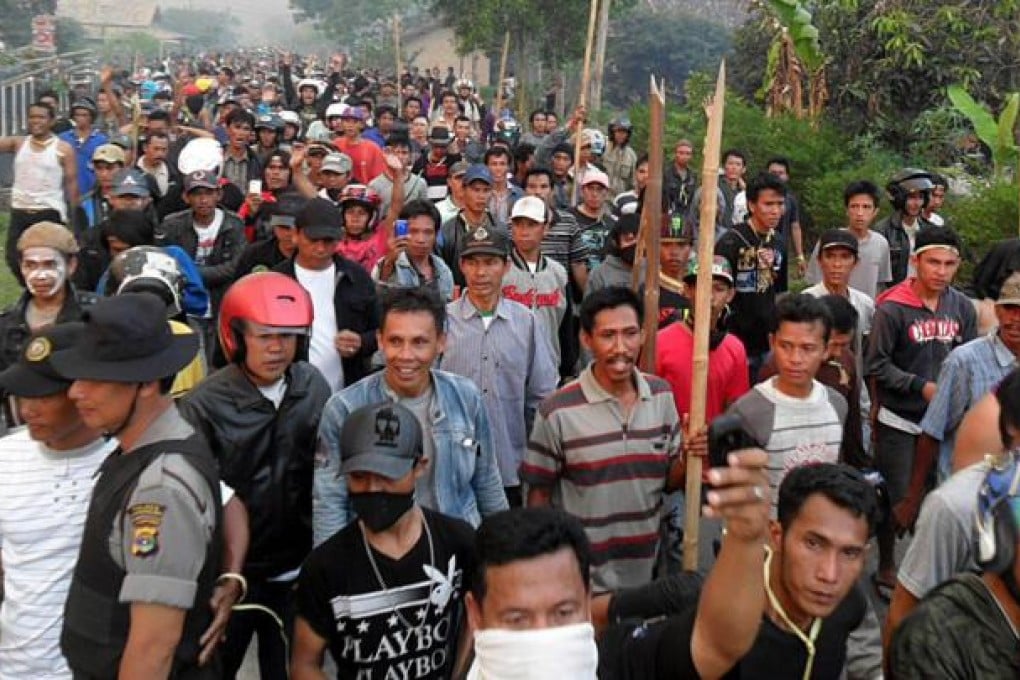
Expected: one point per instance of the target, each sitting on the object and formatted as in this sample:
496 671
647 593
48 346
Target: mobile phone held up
400 229
725 435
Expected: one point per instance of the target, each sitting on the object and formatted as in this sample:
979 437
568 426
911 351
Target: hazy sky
261 17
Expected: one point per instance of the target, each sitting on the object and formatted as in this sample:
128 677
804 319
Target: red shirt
727 369
368 158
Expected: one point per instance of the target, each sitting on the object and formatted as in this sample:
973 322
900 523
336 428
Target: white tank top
39 178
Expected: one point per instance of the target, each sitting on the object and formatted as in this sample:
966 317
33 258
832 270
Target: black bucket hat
126 339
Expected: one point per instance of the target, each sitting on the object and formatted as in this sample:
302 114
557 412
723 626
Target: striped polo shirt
608 470
44 498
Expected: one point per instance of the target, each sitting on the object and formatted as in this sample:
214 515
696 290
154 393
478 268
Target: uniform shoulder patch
146 520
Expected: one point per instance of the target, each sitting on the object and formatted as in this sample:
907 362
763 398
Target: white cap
531 207
594 176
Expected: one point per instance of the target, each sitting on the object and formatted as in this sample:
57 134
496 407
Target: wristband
233 576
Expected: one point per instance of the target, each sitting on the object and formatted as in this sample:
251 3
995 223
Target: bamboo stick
703 312
583 97
651 221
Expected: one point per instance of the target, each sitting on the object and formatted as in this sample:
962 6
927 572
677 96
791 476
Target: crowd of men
350 365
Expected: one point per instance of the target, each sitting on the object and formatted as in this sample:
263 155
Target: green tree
891 60
667 43
998 135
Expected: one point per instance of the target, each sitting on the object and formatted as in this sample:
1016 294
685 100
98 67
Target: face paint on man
44 269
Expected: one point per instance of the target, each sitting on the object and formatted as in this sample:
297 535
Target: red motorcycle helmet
359 194
267 298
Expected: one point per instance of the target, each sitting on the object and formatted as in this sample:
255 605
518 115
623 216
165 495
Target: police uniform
152 536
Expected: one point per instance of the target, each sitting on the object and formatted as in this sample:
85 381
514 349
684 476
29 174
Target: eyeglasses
317 153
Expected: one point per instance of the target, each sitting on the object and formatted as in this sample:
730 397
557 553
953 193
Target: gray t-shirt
943 536
873 266
423 407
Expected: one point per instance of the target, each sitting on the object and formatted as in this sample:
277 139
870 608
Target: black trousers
273 642
20 221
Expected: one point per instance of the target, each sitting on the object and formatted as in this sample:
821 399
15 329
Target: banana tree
796 53
998 135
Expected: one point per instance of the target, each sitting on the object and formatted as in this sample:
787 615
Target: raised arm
733 598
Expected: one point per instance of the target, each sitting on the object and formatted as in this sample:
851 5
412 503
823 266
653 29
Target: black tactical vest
96 624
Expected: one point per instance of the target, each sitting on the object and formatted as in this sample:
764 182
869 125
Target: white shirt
44 497
161 173
207 237
321 285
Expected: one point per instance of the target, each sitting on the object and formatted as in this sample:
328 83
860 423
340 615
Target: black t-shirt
662 650
756 261
410 628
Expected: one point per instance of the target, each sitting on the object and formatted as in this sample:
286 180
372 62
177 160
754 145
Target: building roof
103 18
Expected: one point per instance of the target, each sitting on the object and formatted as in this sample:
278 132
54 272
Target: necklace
382 583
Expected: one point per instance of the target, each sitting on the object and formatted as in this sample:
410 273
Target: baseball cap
595 176
459 168
337 162
200 179
32 375
720 269
486 241
1009 294
838 238
384 439
531 207
130 182
320 218
479 173
108 153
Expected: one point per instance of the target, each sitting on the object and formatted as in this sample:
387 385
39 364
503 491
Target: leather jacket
899 243
217 273
266 455
14 330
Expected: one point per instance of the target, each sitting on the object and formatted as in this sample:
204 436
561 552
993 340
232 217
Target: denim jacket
468 484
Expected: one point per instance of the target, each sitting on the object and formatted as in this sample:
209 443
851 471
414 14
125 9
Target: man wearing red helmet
260 415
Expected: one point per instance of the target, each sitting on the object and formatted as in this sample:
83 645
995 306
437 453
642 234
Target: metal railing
17 92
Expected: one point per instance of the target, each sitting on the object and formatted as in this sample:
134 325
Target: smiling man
605 447
462 478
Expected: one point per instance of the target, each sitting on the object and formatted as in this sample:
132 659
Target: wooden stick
502 75
583 97
703 312
651 221
396 49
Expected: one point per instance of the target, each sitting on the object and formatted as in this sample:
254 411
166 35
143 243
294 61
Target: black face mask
380 510
627 254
